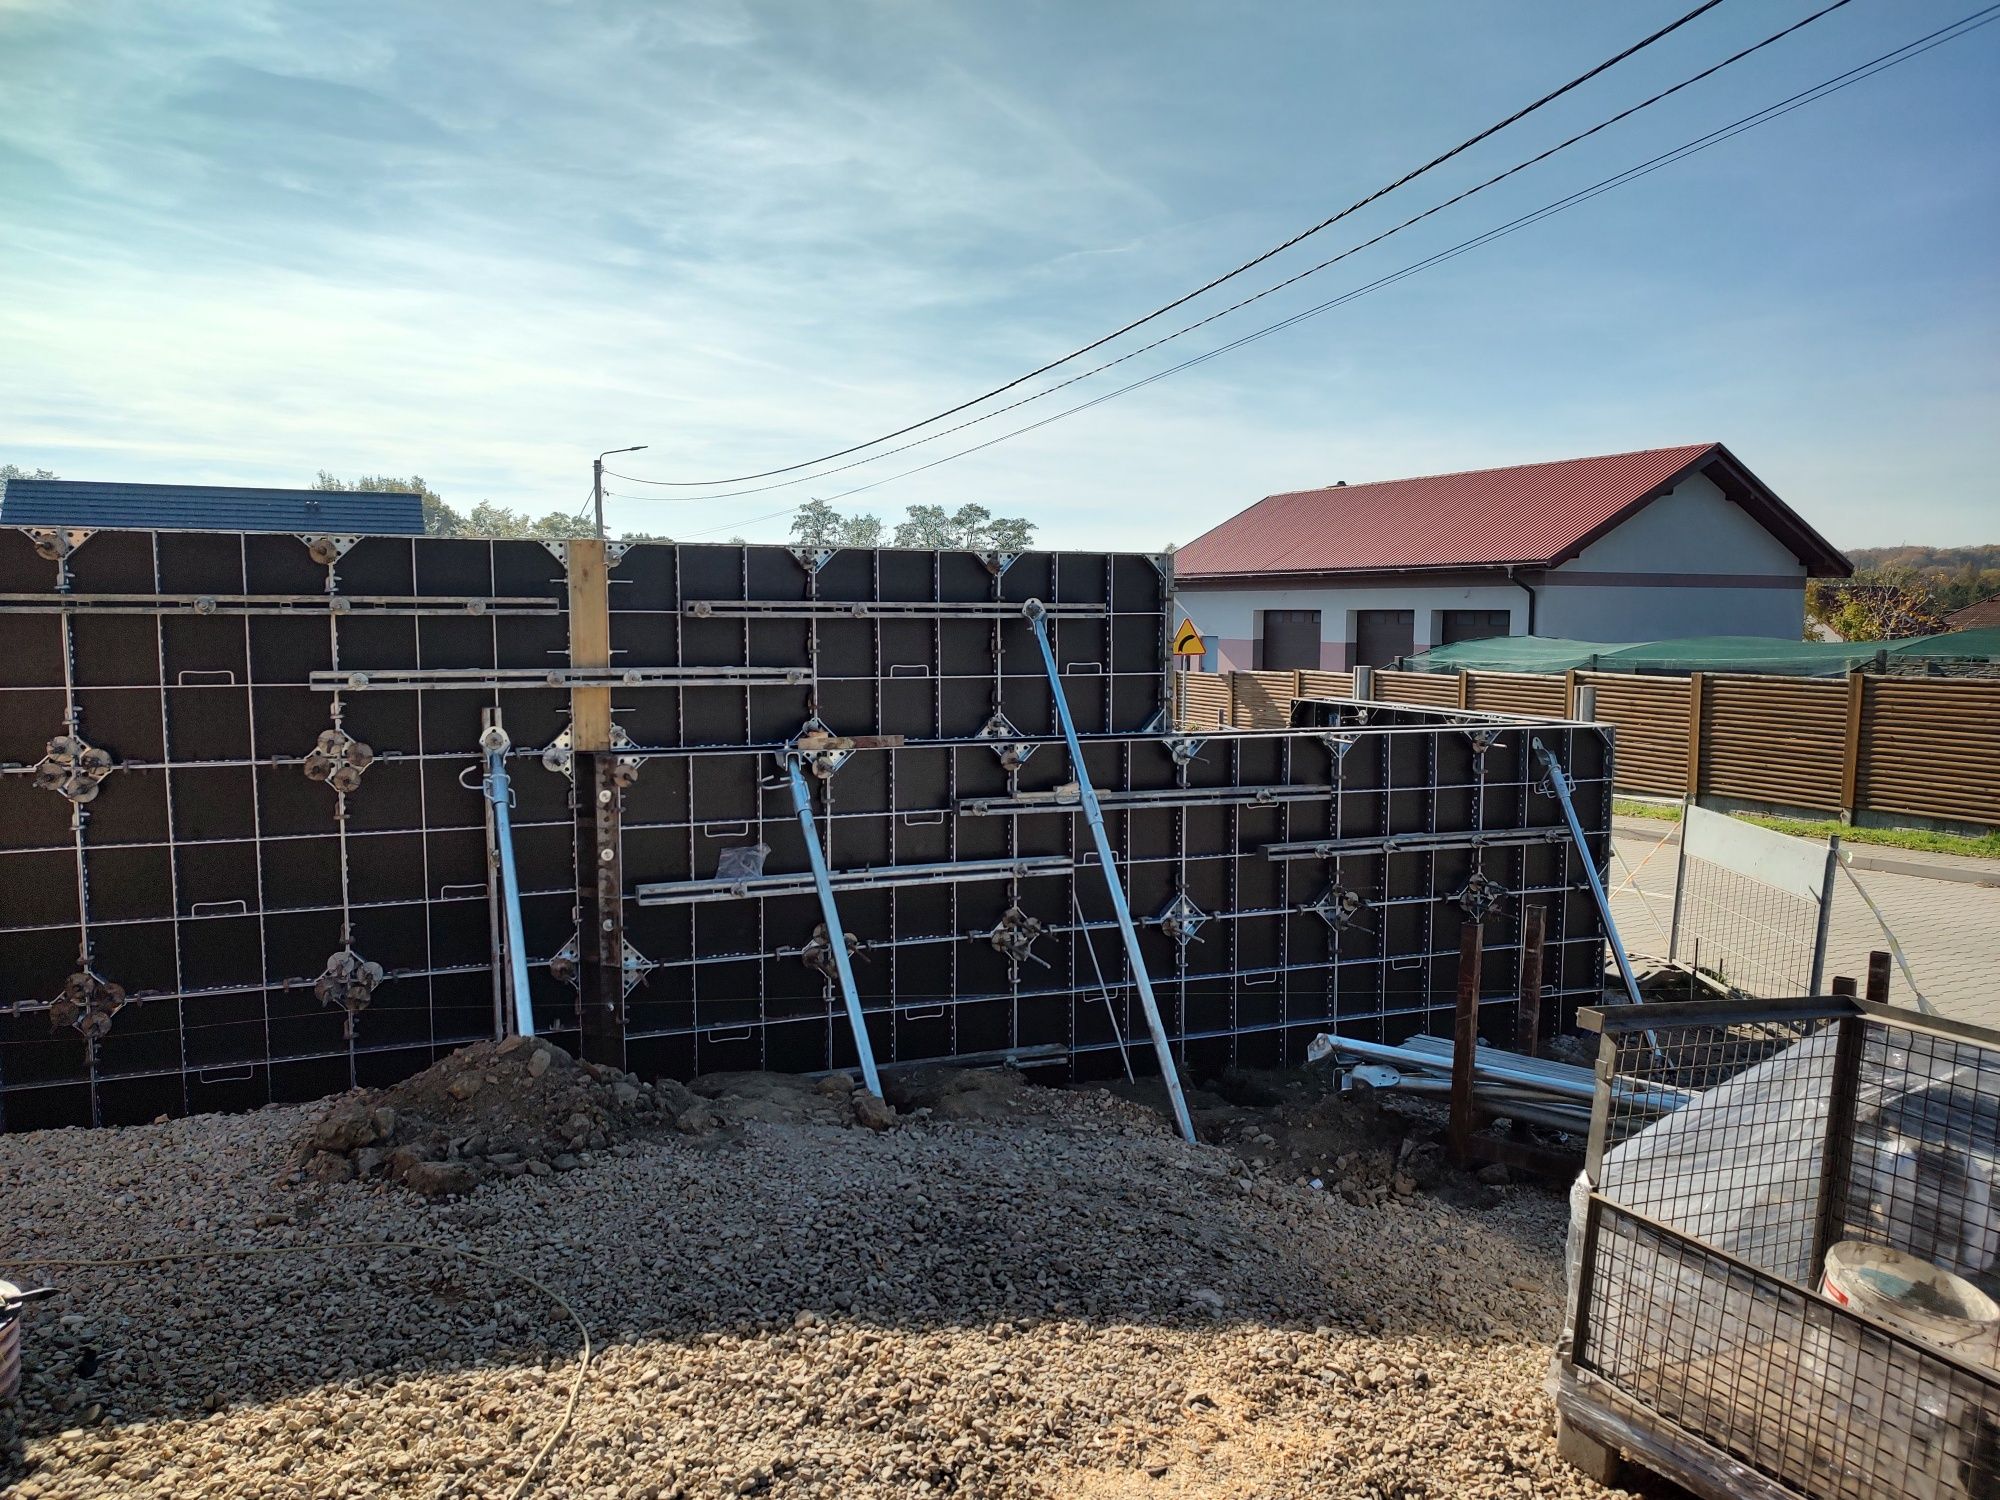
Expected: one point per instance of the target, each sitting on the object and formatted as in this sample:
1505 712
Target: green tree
15 471
1876 604
439 519
971 528
818 524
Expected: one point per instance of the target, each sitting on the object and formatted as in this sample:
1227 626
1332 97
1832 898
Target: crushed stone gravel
997 1290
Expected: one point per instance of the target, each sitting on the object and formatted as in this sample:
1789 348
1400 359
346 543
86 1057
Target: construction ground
1004 1290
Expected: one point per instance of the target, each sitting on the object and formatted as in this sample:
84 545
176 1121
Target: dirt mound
494 1109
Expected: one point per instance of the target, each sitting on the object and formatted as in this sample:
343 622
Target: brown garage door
1291 640
1382 635
1472 625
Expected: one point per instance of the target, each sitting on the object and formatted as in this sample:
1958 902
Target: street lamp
597 481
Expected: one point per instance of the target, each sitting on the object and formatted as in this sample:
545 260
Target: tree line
1899 592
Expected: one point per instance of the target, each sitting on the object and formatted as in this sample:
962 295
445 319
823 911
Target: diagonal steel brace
1094 816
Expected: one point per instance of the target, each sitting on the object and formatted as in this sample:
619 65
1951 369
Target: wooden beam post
1697 702
1534 934
1465 1039
1850 754
589 642
599 800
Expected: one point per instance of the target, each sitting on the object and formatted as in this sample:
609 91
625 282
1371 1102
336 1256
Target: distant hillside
1953 576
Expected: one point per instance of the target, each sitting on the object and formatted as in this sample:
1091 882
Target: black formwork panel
1240 837
927 645
211 880
216 884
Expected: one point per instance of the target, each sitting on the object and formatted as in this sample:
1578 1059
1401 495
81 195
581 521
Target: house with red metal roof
1628 547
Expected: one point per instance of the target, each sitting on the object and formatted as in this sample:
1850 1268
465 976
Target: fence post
1850 756
1697 696
1364 682
1232 700
1570 710
1823 926
1464 687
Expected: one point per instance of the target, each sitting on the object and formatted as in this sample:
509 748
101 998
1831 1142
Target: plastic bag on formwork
744 862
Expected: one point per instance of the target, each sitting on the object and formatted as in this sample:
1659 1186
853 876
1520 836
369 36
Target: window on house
1473 625
1291 640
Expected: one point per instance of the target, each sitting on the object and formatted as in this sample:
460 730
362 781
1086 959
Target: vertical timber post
1534 934
1850 752
599 801
1836 1148
1697 700
1465 1038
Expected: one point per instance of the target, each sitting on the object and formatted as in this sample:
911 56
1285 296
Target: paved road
1949 930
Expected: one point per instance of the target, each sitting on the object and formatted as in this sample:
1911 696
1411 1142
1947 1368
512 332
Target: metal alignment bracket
563 963
558 549
1163 564
1013 937
561 759
348 981
328 550
1340 744
812 559
88 1003
614 553
56 542
73 767
997 563
1482 740
1180 919
564 967
1479 896
1340 908
817 954
1184 748
635 965
338 759
1007 742
825 752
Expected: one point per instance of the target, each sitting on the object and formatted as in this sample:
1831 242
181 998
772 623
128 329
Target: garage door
1291 640
1382 635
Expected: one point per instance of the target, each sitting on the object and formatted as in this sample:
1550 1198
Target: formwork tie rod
1094 815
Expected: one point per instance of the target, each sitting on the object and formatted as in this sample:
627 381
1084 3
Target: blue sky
244 241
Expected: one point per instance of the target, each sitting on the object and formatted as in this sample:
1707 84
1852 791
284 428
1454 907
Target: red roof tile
1532 514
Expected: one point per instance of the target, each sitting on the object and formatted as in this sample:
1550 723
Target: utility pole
597 482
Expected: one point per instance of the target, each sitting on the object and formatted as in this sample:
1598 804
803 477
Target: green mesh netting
1702 653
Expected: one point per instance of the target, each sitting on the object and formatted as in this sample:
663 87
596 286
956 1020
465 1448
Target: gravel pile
1004 1291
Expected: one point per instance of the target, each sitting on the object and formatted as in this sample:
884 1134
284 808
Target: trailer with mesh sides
1698 1341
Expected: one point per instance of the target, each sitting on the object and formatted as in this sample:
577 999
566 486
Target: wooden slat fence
1902 747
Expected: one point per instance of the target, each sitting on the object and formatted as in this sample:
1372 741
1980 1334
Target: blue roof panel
208 507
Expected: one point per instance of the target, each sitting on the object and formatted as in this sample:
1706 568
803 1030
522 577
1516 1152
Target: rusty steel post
1534 934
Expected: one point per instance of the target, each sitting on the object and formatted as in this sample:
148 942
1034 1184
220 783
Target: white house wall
1228 618
1691 563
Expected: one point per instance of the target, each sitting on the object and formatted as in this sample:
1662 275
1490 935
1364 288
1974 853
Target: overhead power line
1257 260
1238 306
1824 89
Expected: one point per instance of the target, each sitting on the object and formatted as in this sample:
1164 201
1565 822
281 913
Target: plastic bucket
1914 1297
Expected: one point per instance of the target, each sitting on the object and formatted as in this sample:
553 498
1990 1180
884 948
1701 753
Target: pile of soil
522 1107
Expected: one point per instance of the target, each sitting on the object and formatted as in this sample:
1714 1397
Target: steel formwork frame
275 881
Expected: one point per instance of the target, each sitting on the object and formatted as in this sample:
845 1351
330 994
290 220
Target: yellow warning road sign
1188 641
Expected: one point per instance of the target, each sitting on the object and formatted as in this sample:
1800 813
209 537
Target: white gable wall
1691 563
